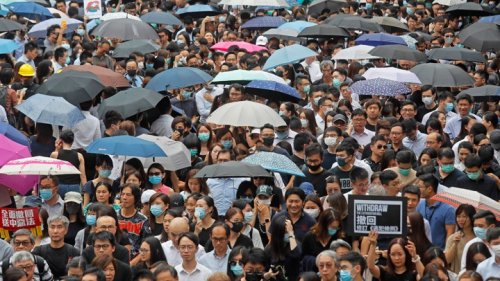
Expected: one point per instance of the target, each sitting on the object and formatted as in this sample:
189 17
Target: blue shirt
489 268
439 215
214 262
454 124
223 191
417 145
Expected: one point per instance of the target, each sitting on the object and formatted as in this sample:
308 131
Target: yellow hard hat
26 70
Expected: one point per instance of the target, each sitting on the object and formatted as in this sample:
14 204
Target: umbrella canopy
354 23
392 73
289 54
317 6
358 52
273 91
410 41
161 18
264 22
74 86
398 52
442 75
198 11
390 24
4 10
481 36
13 134
272 3
118 15
10 150
105 75
178 158
491 19
323 31
454 197
178 77
379 87
297 25
282 34
245 113
448 2
30 10
130 102
39 30
274 162
380 39
123 50
10 25
456 53
56 11
484 93
125 29
245 76
468 9
224 46
7 46
39 165
51 110
126 146
232 169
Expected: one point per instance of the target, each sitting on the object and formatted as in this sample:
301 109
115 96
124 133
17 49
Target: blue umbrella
379 39
198 11
274 162
273 90
7 46
490 19
178 77
161 18
263 22
126 146
379 87
4 10
288 55
296 25
30 10
51 110
13 134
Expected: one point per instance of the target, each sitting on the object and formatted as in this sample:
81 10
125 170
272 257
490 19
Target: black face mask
237 226
314 168
132 73
72 208
254 276
268 141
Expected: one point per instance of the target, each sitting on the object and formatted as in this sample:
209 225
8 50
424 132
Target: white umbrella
178 155
359 52
56 11
449 2
119 15
271 3
245 77
392 73
245 113
39 30
39 165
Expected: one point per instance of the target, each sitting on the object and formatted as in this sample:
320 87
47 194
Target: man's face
479 81
354 270
27 266
235 95
327 106
231 58
463 107
61 6
219 239
432 141
361 186
32 54
408 111
106 224
314 159
163 37
438 27
48 183
127 198
192 62
57 231
187 248
424 190
421 47
339 76
373 111
22 243
378 148
412 201
412 134
393 187
359 123
223 157
131 65
103 247
345 92
294 204
62 59
327 71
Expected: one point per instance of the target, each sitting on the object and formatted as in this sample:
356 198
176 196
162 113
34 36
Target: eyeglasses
381 146
26 267
219 239
22 243
107 227
103 246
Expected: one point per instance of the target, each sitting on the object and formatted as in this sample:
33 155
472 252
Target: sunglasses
381 146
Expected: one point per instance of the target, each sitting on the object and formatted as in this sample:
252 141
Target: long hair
175 213
203 184
165 199
410 266
279 249
475 248
468 210
234 252
417 234
110 190
320 229
102 261
156 250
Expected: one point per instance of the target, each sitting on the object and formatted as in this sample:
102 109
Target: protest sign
14 219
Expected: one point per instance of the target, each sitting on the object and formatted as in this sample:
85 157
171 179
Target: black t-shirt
405 276
57 259
298 161
73 229
345 180
328 159
317 180
422 110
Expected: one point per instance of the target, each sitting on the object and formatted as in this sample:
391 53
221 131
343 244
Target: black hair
104 236
411 189
355 258
387 176
136 192
469 211
472 160
67 136
430 179
446 152
297 191
358 174
314 149
98 273
404 156
475 248
488 216
191 236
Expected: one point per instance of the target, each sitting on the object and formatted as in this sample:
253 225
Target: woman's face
463 220
145 252
160 202
398 256
463 153
156 172
119 69
166 221
478 258
203 129
226 137
335 224
215 151
190 205
327 267
332 187
310 205
237 217
194 185
425 159
109 272
486 123
102 194
210 37
133 180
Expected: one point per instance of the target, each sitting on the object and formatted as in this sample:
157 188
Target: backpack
3 96
39 261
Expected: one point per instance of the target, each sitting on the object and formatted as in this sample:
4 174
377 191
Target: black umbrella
442 75
481 36
354 23
398 52
74 86
390 24
10 25
317 6
131 102
469 9
123 50
323 31
484 93
455 53
161 18
125 29
198 11
232 169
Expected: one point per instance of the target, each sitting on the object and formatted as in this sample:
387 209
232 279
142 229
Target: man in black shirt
378 145
104 244
300 143
476 180
446 173
315 173
345 161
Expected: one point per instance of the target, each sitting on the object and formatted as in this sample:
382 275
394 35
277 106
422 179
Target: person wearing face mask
325 105
73 211
476 180
484 221
158 205
267 136
134 79
490 268
404 160
103 166
445 105
263 212
428 99
249 214
313 206
63 152
303 86
314 172
352 266
447 174
48 191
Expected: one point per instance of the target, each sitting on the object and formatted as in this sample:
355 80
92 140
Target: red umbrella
107 76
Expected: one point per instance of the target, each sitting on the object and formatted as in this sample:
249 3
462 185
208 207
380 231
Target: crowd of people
121 220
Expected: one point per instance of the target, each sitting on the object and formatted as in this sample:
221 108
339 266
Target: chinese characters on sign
14 219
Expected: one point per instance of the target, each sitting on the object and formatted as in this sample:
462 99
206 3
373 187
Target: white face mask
314 213
330 141
427 100
329 124
496 249
304 123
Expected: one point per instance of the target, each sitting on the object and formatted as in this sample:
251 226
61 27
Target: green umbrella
130 102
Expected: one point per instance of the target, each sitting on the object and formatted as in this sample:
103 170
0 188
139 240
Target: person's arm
175 181
291 234
203 26
450 250
81 168
374 269
415 258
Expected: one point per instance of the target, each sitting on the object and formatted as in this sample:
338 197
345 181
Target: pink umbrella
10 150
224 46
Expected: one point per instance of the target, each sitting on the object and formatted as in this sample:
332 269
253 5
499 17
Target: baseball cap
265 190
339 117
495 139
73 196
176 201
146 195
307 187
261 41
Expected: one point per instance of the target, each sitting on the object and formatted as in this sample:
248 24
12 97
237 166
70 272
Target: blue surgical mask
286 238
156 210
409 11
474 176
237 270
193 152
449 107
369 6
200 212
186 95
45 193
80 31
248 216
154 179
228 144
203 137
66 46
68 60
90 219
282 135
332 231
316 100
149 66
480 232
222 19
104 173
345 275
336 83
307 89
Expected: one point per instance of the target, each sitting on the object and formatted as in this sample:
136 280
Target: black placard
385 214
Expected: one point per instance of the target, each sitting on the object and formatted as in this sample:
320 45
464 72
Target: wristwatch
267 221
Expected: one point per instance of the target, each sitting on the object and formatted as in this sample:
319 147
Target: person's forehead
106 221
102 242
22 237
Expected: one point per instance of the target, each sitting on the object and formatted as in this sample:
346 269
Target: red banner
14 219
